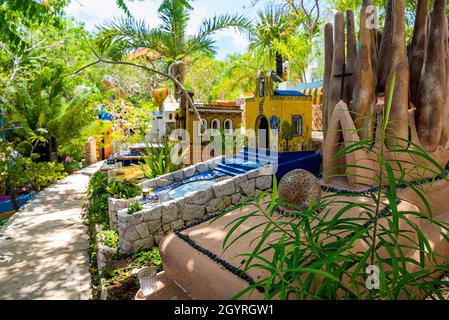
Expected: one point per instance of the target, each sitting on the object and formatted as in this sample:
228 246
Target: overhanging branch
136 65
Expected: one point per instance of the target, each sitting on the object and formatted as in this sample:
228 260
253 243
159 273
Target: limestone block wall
143 229
115 205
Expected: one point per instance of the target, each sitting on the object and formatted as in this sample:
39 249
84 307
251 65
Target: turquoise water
182 190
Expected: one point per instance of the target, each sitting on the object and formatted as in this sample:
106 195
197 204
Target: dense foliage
162 159
19 174
123 189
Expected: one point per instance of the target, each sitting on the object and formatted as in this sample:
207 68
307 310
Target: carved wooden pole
398 124
351 51
379 40
385 49
328 55
337 64
364 99
432 89
418 49
445 136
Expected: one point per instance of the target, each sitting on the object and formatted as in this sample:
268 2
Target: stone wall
115 205
143 229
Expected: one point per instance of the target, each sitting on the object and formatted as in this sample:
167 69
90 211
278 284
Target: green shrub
148 258
98 185
135 207
97 210
111 239
123 189
24 172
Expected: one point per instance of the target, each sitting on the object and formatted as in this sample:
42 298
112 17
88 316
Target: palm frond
217 23
118 38
203 41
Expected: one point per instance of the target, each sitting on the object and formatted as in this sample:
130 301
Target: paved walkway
44 249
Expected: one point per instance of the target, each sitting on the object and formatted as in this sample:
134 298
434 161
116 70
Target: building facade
270 109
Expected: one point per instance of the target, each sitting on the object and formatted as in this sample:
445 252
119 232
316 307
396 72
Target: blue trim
289 93
6 206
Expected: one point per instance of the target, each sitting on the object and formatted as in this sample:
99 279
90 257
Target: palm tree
170 39
272 29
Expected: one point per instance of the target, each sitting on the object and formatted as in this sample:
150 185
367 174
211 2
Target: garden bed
118 273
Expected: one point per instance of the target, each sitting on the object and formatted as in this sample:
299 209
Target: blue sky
95 12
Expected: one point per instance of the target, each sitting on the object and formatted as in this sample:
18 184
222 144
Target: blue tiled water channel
245 161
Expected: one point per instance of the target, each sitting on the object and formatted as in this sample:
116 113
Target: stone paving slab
44 247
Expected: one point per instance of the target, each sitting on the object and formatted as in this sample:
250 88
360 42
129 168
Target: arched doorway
263 133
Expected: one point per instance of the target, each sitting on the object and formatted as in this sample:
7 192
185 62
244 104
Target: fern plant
325 253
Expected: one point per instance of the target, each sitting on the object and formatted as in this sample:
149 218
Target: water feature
178 190
182 190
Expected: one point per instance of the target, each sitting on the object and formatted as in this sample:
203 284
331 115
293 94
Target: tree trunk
179 72
279 67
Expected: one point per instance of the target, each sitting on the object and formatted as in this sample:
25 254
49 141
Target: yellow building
270 108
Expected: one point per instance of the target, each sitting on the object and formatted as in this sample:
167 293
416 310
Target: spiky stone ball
298 187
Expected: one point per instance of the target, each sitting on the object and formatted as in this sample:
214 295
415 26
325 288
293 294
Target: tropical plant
27 14
325 253
170 40
161 159
97 205
135 207
286 31
123 189
111 238
24 173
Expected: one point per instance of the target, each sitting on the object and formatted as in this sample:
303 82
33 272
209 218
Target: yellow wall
285 108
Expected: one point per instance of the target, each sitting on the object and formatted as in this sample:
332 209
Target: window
202 131
170 117
215 124
297 125
228 126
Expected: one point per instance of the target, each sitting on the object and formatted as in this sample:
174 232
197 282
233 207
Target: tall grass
349 246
